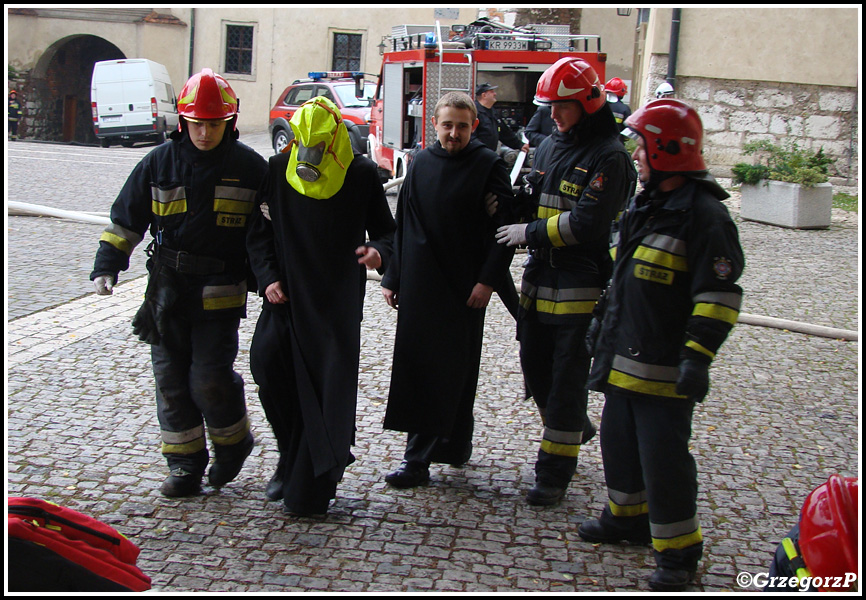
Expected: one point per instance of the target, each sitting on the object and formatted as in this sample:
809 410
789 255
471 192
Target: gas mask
321 150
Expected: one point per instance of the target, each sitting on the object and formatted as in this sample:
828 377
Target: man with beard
446 265
308 252
580 181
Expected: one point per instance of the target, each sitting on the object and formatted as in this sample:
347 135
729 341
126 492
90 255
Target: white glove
513 235
266 211
104 285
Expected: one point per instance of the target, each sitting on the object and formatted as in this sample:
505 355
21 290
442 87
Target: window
239 49
300 95
347 52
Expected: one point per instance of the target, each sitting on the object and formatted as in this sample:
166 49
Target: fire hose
24 209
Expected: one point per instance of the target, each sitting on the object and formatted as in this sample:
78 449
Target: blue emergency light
317 75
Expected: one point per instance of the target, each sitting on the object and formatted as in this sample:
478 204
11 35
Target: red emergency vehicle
420 66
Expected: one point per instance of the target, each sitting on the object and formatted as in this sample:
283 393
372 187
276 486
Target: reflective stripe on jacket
579 191
194 202
673 294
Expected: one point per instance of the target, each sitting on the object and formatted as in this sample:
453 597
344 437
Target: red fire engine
421 66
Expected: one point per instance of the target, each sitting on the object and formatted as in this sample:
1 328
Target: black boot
221 472
596 532
181 483
543 494
670 580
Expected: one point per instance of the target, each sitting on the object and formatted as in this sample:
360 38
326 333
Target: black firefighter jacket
579 188
192 201
673 294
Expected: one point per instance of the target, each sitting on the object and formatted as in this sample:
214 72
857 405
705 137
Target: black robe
305 353
444 245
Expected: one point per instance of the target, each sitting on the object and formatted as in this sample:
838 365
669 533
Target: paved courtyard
782 415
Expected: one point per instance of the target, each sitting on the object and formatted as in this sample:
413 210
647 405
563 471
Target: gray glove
104 284
513 235
694 380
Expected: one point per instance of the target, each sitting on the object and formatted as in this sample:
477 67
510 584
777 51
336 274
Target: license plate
112 118
507 45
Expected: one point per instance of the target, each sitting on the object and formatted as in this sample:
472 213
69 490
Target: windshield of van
346 92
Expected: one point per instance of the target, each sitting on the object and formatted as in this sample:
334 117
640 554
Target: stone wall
735 112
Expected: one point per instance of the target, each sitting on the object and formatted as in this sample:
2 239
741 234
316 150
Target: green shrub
791 164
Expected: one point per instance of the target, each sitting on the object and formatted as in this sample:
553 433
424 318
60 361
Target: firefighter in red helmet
581 179
671 303
820 552
616 89
194 194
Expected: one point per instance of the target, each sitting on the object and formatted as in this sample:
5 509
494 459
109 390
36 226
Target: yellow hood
319 121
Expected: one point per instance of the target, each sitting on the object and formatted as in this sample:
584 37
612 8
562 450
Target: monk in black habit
308 251
445 266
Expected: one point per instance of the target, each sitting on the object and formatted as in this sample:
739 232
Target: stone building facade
736 112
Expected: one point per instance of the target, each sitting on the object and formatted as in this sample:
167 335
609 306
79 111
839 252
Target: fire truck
424 62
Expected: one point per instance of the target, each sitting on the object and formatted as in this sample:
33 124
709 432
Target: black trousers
555 366
196 384
648 469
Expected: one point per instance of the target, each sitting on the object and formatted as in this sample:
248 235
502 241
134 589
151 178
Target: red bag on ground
52 548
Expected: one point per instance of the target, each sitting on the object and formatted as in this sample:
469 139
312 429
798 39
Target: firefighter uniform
196 205
14 115
579 188
673 298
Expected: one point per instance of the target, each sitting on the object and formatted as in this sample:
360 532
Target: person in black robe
445 266
308 252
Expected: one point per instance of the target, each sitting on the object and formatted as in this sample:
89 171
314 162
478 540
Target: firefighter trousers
196 385
555 366
648 469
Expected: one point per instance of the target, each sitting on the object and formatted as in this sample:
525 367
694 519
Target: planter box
787 204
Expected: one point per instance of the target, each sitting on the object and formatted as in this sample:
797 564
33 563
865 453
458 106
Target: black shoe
542 494
221 472
409 475
181 483
670 580
595 532
274 491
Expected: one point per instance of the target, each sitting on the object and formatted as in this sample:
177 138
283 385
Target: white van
132 100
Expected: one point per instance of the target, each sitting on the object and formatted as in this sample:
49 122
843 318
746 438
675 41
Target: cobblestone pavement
782 415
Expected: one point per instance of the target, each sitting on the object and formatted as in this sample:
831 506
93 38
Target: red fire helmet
616 86
207 96
828 528
571 79
673 134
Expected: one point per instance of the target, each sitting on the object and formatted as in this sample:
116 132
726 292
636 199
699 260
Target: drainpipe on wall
191 39
675 42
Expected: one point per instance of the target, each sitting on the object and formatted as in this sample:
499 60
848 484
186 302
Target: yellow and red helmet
673 134
571 79
828 529
207 96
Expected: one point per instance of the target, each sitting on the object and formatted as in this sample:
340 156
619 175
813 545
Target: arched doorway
58 89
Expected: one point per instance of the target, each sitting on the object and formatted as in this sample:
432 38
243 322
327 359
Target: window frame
332 34
251 76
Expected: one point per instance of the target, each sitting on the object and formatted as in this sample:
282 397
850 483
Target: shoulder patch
722 267
598 183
